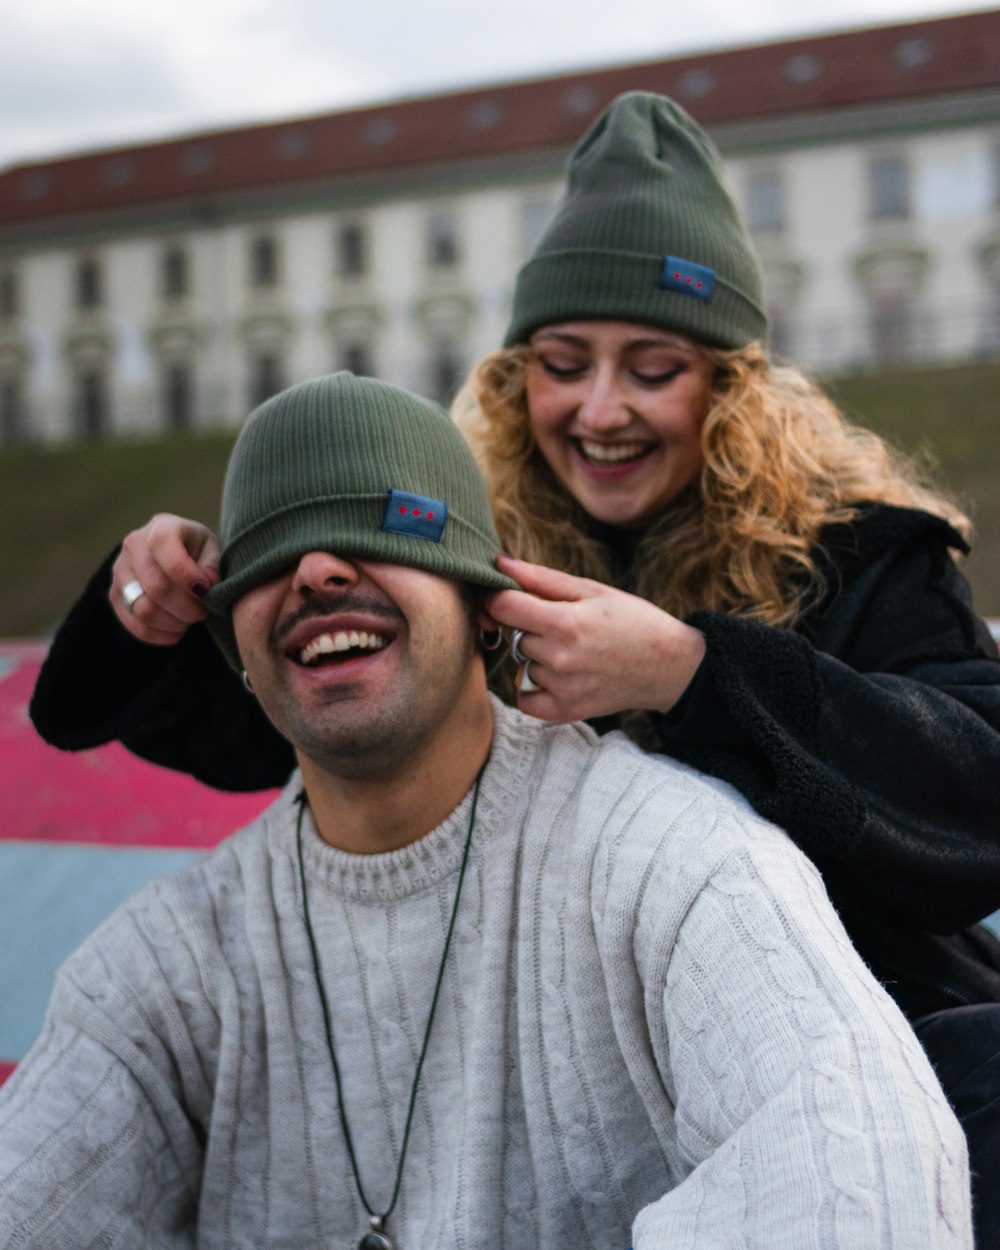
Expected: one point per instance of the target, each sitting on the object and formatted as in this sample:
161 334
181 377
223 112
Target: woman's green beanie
646 232
357 467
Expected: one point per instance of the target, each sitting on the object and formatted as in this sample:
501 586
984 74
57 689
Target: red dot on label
416 511
698 285
430 516
688 281
402 512
677 275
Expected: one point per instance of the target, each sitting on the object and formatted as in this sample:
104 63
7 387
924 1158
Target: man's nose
319 571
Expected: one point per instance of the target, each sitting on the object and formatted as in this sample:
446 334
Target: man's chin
362 753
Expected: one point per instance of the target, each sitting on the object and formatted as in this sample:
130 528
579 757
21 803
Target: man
472 980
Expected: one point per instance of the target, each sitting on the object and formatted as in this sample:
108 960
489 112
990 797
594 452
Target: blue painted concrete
53 897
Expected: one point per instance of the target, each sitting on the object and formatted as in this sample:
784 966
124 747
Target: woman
752 585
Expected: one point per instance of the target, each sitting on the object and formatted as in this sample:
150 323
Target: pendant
377 1239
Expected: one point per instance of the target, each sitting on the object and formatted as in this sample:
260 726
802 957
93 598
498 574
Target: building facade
173 285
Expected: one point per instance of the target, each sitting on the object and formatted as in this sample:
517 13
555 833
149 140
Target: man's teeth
342 640
612 453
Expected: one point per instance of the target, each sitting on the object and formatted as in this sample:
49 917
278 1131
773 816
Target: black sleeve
182 707
881 761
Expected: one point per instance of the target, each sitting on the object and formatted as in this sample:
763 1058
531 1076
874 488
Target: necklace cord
314 951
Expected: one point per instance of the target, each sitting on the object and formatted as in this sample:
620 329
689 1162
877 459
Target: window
357 358
995 175
9 301
446 373
198 158
581 100
536 214
119 171
802 68
889 187
991 321
695 84
485 114
380 131
91 403
267 376
352 258
12 424
442 241
765 192
893 326
177 395
264 261
912 53
174 275
779 333
88 283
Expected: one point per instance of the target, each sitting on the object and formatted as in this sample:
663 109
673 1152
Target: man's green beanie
646 232
357 467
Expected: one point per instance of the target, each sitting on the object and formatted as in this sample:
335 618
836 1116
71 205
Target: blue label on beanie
415 515
687 277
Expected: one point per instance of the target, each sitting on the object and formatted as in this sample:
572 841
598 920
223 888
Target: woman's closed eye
560 368
657 377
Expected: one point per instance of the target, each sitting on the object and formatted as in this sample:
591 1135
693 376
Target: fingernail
200 590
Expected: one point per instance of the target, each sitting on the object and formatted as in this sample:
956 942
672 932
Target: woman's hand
176 562
594 650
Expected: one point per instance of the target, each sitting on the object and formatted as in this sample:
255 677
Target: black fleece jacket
871 732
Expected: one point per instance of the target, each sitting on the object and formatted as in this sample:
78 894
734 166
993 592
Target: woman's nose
603 408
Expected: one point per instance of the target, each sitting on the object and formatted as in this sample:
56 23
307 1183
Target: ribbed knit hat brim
317 467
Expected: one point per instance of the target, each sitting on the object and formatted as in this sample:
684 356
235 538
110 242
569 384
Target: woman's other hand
594 650
175 562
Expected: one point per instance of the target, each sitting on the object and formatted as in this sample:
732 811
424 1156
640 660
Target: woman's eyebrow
574 340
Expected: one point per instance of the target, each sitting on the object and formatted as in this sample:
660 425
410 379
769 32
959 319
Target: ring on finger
132 592
524 682
516 654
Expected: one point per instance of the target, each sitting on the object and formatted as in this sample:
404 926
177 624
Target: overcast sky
76 76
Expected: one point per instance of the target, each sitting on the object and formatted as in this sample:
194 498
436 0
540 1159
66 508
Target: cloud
443 43
117 71
83 82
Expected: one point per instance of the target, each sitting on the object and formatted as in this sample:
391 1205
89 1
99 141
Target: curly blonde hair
780 462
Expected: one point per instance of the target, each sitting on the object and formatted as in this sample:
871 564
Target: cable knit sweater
652 1031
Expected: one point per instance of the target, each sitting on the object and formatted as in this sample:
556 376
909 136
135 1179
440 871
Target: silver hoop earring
246 682
490 639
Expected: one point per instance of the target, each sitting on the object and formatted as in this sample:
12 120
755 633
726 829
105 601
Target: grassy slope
951 416
61 511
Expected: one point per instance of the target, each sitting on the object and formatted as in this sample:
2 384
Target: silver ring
524 682
516 654
132 592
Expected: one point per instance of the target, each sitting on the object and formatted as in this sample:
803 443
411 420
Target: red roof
877 65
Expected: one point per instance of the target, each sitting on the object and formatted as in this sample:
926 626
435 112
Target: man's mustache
326 605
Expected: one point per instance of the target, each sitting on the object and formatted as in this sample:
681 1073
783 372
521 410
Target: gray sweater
652 1031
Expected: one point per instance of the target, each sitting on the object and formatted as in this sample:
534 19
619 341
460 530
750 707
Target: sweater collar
423 864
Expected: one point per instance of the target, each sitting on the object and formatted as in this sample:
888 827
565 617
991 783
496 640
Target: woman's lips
610 460
612 453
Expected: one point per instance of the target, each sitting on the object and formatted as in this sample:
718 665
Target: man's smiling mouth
341 645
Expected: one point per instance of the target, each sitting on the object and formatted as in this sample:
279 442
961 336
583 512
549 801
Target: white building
174 284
